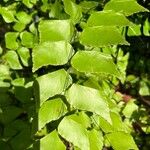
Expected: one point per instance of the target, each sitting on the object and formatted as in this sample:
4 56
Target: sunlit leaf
18 26
108 18
134 30
73 10
24 55
7 15
51 110
82 118
27 39
45 5
4 71
74 133
57 11
89 99
147 28
117 124
121 141
88 5
101 36
144 88
51 53
128 7
96 140
13 60
29 3
18 82
11 40
130 109
96 62
49 85
55 30
22 20
52 142
23 17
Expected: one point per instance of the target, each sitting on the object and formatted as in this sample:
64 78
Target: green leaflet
4 72
117 124
130 108
22 20
56 11
23 17
121 141
33 30
73 10
51 53
13 61
55 30
24 55
51 110
96 62
89 99
96 139
134 30
144 87
51 84
52 142
11 40
7 15
18 82
74 133
108 18
45 5
82 118
27 39
101 36
29 3
88 5
122 64
128 7
18 26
